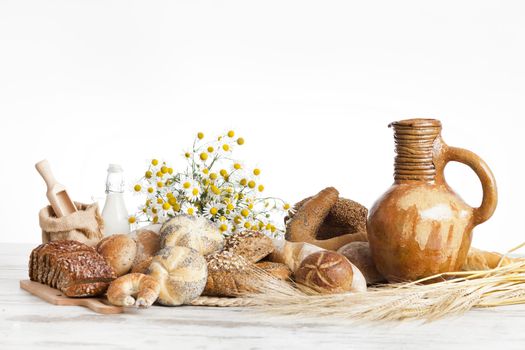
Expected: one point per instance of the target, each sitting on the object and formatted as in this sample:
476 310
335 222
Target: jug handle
488 182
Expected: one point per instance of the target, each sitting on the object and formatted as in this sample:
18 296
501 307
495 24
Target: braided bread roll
122 291
193 232
181 272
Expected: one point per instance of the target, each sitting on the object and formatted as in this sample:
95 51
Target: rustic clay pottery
420 227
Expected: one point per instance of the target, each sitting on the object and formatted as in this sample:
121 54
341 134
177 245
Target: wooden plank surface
28 322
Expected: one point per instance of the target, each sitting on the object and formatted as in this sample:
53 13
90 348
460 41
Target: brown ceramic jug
420 227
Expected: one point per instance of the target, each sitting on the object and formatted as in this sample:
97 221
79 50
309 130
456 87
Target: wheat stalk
457 293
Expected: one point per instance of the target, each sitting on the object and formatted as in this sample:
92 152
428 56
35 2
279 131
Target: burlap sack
86 225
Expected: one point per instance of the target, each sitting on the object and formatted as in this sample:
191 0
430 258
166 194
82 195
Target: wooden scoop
56 193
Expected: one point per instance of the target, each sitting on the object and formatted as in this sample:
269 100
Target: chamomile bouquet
213 185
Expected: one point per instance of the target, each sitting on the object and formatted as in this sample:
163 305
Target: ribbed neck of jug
415 141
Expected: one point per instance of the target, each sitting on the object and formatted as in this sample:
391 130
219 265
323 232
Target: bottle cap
115 168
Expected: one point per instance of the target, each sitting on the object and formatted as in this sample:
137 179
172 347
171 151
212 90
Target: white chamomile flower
225 226
211 210
189 209
193 193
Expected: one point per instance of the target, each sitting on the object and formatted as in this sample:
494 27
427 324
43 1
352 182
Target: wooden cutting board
55 297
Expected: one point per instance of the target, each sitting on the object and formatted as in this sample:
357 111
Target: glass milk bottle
114 213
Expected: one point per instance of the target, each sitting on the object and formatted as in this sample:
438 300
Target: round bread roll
329 272
193 232
359 254
148 244
119 252
181 272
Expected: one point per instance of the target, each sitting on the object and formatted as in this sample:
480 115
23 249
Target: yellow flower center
226 147
191 211
256 171
236 166
150 189
203 156
245 212
251 184
210 149
260 188
137 188
231 133
195 191
214 211
240 141
166 206
186 185
154 162
148 174
132 219
200 135
223 227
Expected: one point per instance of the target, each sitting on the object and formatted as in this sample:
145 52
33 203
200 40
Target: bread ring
124 290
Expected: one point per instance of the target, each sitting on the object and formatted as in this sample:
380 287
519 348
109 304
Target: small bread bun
329 272
181 272
119 252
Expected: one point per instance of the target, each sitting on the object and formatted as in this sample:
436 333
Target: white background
310 85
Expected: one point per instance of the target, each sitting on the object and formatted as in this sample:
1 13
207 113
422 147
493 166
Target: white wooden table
28 322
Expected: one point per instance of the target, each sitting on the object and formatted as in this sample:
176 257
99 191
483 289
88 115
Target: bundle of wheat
454 294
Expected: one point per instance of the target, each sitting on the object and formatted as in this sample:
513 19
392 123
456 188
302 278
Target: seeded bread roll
195 232
181 273
277 270
230 275
251 245
119 251
329 272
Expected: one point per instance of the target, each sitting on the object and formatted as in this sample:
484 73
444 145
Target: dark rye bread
73 267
